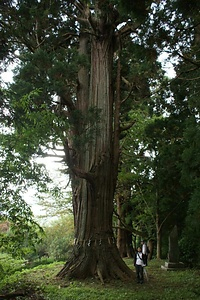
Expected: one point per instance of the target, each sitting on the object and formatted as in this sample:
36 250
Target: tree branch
186 58
127 228
167 216
70 158
127 126
13 295
127 29
129 93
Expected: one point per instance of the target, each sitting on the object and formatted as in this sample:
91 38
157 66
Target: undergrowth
40 283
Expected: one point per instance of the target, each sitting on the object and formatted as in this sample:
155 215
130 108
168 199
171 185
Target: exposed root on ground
102 261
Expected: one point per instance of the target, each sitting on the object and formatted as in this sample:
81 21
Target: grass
41 284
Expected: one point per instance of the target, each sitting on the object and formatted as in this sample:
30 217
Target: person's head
139 249
142 242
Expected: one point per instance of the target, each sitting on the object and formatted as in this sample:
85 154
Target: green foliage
22 236
15 271
16 175
1 272
88 125
190 237
10 264
37 122
137 9
58 240
57 203
190 154
190 9
186 93
19 171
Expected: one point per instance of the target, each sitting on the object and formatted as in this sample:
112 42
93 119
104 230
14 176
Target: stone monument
173 256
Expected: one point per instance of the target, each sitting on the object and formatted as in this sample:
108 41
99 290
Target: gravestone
173 255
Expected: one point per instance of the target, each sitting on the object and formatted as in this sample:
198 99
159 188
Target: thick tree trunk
151 248
158 244
94 175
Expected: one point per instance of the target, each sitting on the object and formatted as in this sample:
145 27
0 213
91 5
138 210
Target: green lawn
41 284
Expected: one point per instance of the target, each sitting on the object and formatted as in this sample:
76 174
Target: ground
40 283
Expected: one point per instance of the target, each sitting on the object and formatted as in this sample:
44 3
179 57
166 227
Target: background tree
177 111
16 175
57 241
132 165
186 90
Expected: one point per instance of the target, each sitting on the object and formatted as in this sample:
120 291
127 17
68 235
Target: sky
7 76
167 65
53 168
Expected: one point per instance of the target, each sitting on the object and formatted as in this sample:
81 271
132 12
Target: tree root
100 275
13 295
97 261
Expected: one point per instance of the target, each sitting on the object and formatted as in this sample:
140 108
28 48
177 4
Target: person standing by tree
139 264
